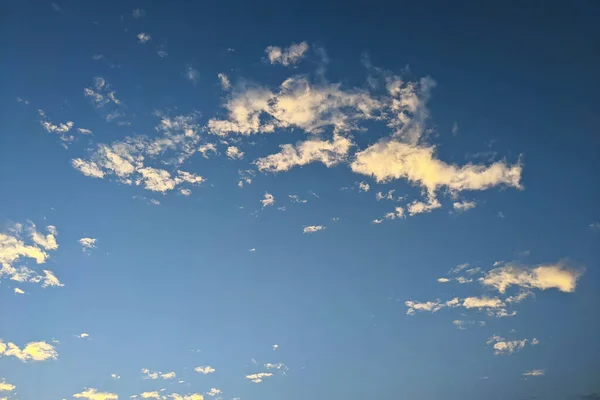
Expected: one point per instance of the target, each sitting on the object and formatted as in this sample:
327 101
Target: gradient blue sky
482 119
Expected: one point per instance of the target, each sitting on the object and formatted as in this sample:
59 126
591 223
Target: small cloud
503 346
459 268
268 200
115 376
82 336
213 392
535 372
20 100
455 129
143 37
6 387
162 53
534 342
288 56
19 291
168 375
225 83
463 206
363 187
234 153
443 280
252 250
55 6
275 346
87 244
185 192
258 378
94 394
388 196
33 351
207 148
138 13
335 219
204 369
595 226
84 131
294 198
192 74
312 228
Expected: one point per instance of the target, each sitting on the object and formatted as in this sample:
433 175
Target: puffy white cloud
115 376
207 148
185 192
148 374
328 152
33 351
430 306
312 228
288 56
483 302
233 152
6 387
275 346
258 378
19 291
94 394
168 375
503 346
534 342
213 392
150 395
88 168
49 279
183 176
443 280
60 128
48 242
363 187
225 83
534 372
559 275
462 206
83 335
268 200
157 180
191 396
298 104
204 369
143 37
87 243
419 207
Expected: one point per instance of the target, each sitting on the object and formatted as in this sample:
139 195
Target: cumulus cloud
443 280
388 196
258 378
363 187
33 351
312 228
268 200
87 243
204 369
19 291
206 149
559 276
213 392
150 395
328 152
191 396
503 346
143 37
288 56
6 387
94 394
233 152
87 168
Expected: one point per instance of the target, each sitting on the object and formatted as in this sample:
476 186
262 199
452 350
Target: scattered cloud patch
204 369
234 153
560 275
192 74
535 372
19 291
289 56
258 378
143 37
225 83
312 228
94 394
82 336
268 200
6 387
462 206
363 187
33 351
87 244
213 392
138 13
504 347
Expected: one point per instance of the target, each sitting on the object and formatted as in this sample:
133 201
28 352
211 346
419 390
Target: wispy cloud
289 56
312 228
535 372
87 243
560 275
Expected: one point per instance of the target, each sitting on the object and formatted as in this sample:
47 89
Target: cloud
268 200
234 152
275 346
49 279
6 387
483 302
213 392
494 306
83 335
207 148
363 187
288 56
143 37
503 347
84 131
192 74
94 394
535 372
115 376
138 13
19 291
294 198
87 243
48 242
150 395
312 228
33 351
191 396
60 128
185 192
595 226
225 83
559 275
258 378
388 196
459 268
430 306
87 168
204 369
328 152
443 280
168 375
463 205
298 104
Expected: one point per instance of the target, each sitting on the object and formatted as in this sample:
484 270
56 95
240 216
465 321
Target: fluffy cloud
298 104
19 291
94 394
213 392
483 302
204 369
363 187
87 243
33 351
388 196
6 387
258 378
48 241
268 200
143 37
503 346
560 276
83 335
328 152
443 280
148 374
288 56
150 395
493 306
312 228
233 152
462 206
87 168
191 396
207 148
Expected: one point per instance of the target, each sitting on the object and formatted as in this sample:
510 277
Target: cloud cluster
14 247
94 394
504 347
288 56
33 351
204 369
87 243
312 228
559 276
258 377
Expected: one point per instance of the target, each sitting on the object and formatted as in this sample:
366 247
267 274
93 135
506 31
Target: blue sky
223 200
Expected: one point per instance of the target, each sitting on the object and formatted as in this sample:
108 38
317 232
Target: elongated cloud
94 394
504 347
535 372
559 276
327 152
6 387
312 228
258 378
204 369
33 351
288 56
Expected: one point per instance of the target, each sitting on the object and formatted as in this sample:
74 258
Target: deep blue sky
174 286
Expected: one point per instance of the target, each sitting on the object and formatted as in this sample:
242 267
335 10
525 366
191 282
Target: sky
298 200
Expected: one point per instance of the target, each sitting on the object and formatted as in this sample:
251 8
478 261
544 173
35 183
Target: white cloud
595 226
60 128
462 280
154 375
483 302
288 56
192 74
83 335
191 396
168 375
49 279
6 387
258 378
559 275
225 83
430 306
275 346
207 148
252 250
312 228
87 243
19 291
535 372
157 180
419 207
94 394
213 392
268 200
503 346
88 168
443 280
459 268
363 187
388 196
204 369
463 205
534 342
143 37
294 198
150 395
191 178
84 131
115 376
234 152
48 242
33 351
185 192
327 152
